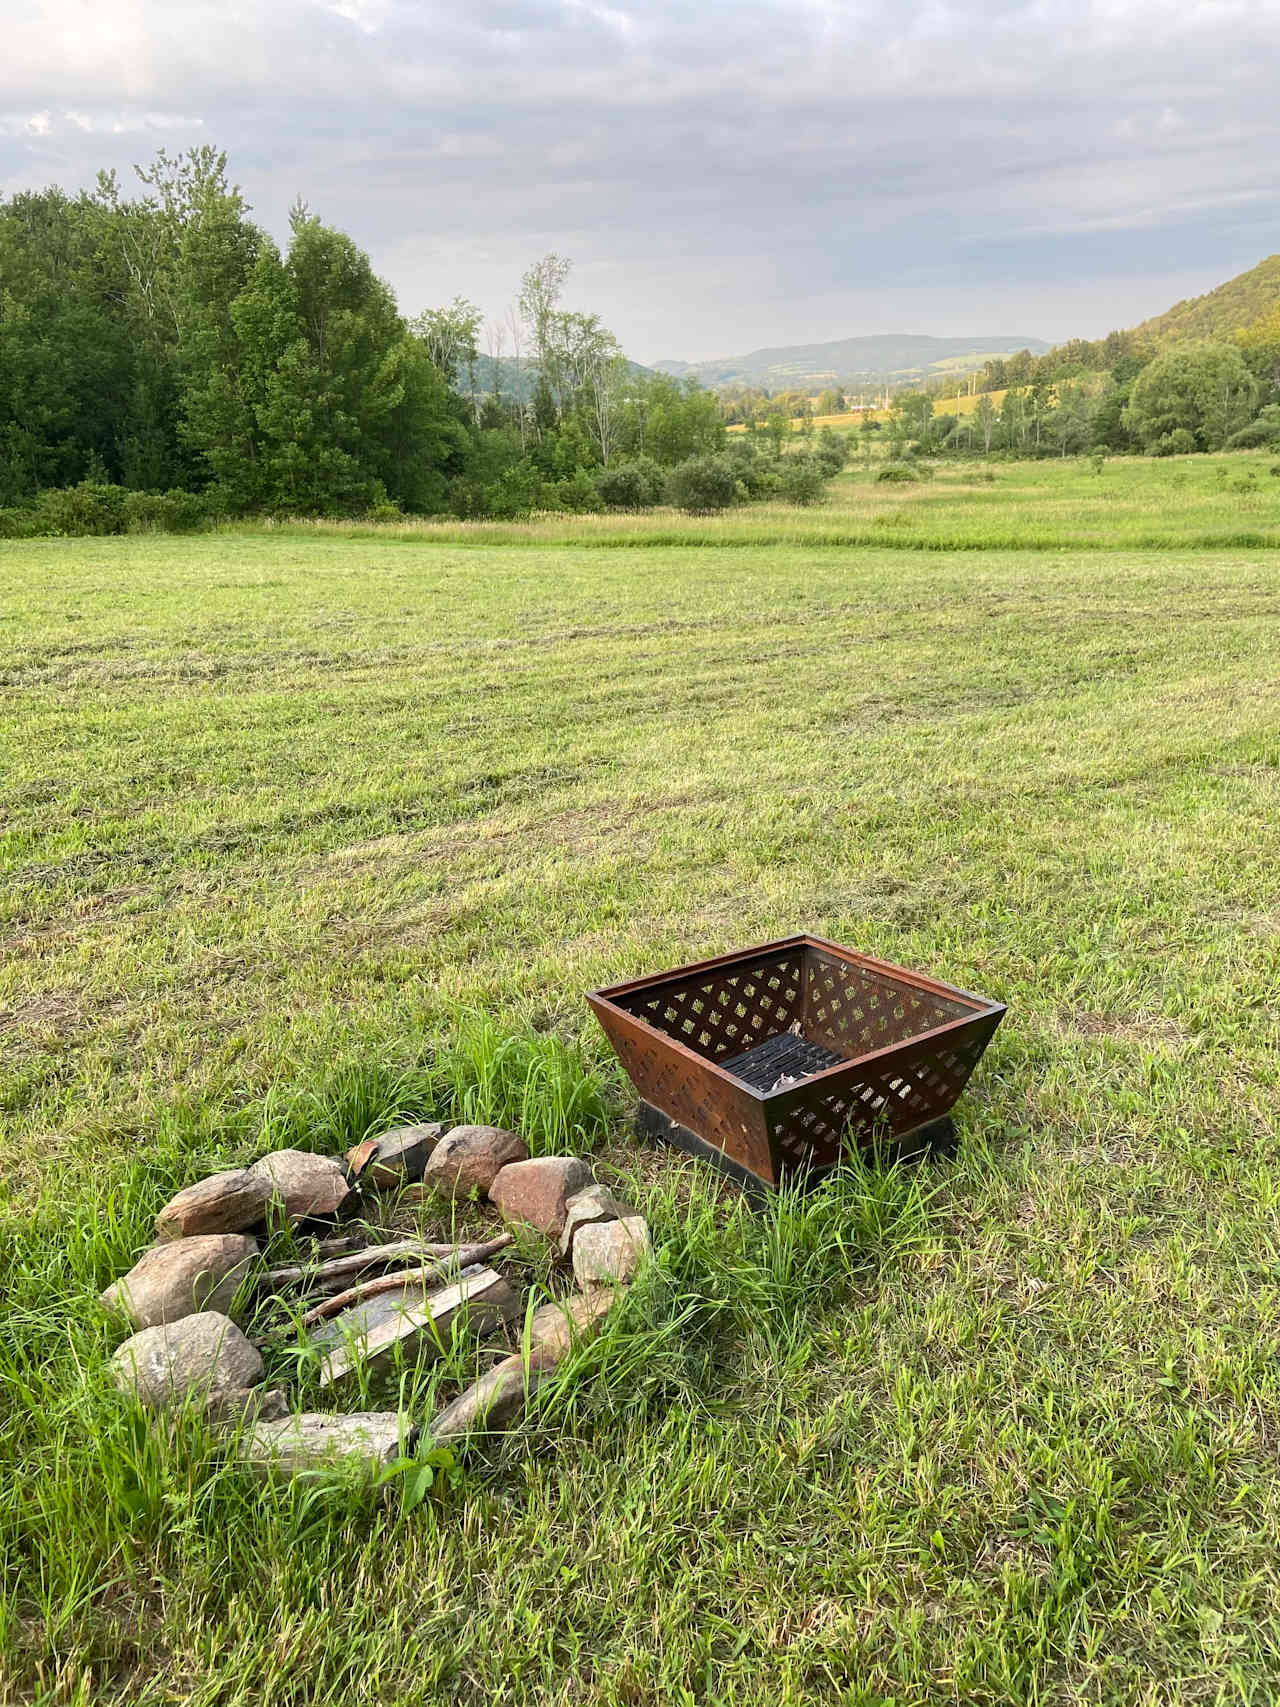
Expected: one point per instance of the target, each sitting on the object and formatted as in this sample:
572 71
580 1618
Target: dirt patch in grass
1140 1028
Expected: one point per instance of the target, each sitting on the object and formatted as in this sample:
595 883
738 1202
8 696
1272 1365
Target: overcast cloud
722 175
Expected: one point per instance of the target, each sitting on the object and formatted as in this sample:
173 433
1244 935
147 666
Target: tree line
163 359
1198 395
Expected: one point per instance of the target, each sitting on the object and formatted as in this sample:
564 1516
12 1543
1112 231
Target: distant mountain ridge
884 358
1231 307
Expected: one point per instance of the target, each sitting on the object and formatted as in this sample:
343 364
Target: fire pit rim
980 1006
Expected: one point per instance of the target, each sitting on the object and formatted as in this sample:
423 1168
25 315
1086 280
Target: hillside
1230 308
883 359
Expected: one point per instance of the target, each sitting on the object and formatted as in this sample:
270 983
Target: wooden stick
426 1273
375 1255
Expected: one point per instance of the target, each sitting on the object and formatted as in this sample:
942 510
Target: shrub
635 485
1260 434
1180 442
168 512
757 473
575 493
898 474
831 449
802 479
702 485
94 508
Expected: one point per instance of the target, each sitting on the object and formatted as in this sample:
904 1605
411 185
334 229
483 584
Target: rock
398 1157
494 1402
202 1354
554 1327
538 1192
585 1208
224 1203
480 1297
306 1184
325 1440
177 1279
470 1158
610 1251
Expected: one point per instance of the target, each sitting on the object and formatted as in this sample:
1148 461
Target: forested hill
1232 307
889 358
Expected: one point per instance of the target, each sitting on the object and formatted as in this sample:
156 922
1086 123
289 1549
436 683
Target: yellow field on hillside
853 418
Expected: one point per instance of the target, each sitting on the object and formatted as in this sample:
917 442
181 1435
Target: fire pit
775 1059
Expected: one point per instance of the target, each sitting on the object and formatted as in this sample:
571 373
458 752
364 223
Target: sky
722 176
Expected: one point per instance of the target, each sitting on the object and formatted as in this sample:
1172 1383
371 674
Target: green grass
304 832
1136 503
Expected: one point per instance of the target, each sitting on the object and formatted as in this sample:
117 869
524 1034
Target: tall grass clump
532 1082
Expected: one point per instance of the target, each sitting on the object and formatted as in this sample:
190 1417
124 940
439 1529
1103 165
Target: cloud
724 174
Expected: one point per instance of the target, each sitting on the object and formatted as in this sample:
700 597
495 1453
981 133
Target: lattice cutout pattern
896 1099
686 1094
852 1010
726 1012
855 1009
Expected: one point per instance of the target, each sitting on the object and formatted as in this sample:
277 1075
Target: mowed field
306 829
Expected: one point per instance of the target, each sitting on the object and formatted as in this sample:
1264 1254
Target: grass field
1135 503
284 812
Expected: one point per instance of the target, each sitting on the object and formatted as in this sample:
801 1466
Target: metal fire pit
776 1059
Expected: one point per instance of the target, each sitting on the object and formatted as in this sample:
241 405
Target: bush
1262 434
757 473
168 512
898 474
94 508
702 485
831 450
1180 442
635 485
802 479
576 493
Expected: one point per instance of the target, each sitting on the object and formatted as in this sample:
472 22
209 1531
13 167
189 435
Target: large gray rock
324 1440
585 1208
494 1402
555 1327
175 1280
610 1251
537 1193
396 1158
470 1158
224 1203
307 1185
204 1356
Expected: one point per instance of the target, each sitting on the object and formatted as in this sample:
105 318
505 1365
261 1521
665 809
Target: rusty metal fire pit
775 1059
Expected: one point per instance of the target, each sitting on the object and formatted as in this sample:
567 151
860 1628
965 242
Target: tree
1199 387
1070 420
1259 344
540 292
985 421
911 417
450 337
326 402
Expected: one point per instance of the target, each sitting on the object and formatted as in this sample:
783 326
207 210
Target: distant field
278 805
983 504
944 406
